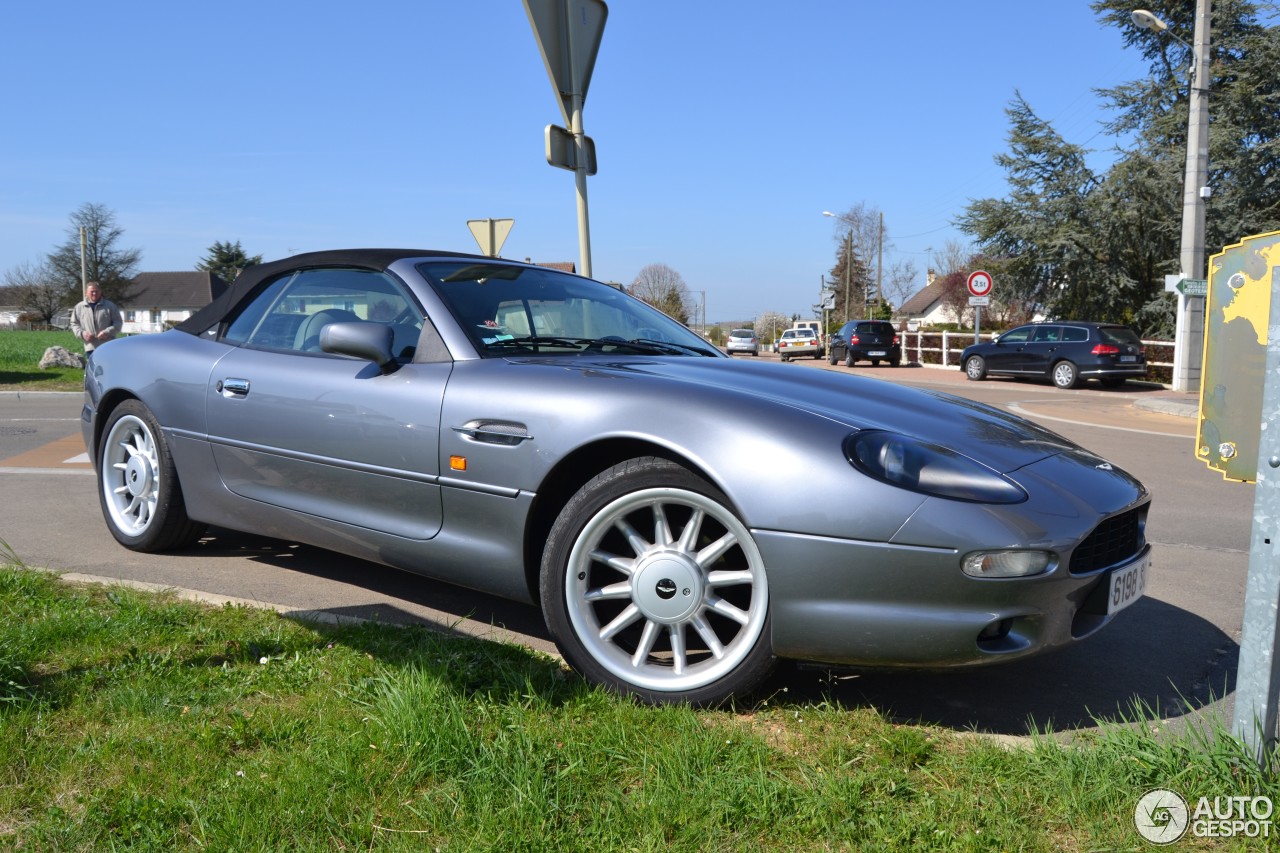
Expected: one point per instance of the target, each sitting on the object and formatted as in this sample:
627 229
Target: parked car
816 326
742 341
798 343
1066 352
544 437
865 340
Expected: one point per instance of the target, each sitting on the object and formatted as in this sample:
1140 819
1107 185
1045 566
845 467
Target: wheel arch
570 474
107 404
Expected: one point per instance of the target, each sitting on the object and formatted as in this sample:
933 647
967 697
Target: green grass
20 353
138 721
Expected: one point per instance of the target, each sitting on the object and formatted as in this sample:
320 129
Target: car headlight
1006 564
928 468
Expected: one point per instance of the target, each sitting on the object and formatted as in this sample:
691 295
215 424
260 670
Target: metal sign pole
1258 673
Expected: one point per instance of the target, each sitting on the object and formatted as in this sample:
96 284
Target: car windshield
514 310
741 333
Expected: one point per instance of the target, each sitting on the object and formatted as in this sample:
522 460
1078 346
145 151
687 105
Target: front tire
652 586
138 484
1065 375
975 368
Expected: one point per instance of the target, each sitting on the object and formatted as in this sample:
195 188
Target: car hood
1001 440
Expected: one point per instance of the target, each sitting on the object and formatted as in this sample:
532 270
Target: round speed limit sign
979 283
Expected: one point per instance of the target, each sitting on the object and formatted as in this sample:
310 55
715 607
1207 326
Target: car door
1042 350
1007 354
330 436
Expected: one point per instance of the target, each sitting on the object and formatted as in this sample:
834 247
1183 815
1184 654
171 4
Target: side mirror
368 341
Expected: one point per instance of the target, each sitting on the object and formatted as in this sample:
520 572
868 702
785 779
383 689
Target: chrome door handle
233 387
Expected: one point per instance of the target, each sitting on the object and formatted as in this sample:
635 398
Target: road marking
64 456
1027 413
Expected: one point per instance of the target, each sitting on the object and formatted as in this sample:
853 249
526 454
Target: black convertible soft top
248 281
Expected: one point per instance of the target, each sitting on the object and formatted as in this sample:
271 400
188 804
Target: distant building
563 266
927 307
161 299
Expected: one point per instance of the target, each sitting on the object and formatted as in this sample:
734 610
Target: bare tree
769 325
953 257
664 289
901 281
36 290
105 262
860 228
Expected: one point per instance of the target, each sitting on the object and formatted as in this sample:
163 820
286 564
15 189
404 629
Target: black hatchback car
1066 352
865 340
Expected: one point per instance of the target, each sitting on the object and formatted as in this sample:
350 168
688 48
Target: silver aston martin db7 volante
545 437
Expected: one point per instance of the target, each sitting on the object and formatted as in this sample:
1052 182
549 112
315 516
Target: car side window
1048 335
289 312
1075 334
1017 336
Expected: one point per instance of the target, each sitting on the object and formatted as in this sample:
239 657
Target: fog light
1006 564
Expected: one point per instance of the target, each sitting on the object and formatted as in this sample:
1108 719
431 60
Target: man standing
95 320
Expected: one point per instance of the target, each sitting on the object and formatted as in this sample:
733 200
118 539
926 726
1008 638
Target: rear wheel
653 587
975 367
848 358
1065 375
138 484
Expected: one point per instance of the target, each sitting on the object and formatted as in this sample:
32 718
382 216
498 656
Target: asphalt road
1175 651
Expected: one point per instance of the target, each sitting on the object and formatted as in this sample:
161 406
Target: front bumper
874 604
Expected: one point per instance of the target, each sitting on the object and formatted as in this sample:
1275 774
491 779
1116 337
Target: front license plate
1128 358
1127 586
876 354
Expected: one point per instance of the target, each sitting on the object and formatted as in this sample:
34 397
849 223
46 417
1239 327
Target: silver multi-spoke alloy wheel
131 475
1065 374
666 590
975 368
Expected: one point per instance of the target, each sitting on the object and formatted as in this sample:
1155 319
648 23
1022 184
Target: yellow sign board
1237 313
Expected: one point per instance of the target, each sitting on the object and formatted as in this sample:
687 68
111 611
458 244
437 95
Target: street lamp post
1189 335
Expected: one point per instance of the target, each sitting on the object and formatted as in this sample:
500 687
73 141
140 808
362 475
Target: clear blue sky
723 129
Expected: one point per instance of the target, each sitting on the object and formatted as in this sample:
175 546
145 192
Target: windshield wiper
671 346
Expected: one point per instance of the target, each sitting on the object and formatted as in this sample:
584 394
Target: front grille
1113 541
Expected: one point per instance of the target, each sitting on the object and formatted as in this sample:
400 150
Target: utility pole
880 266
1188 351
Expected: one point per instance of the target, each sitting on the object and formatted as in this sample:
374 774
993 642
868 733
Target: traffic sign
980 300
1193 287
979 283
1237 336
562 152
568 34
490 234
